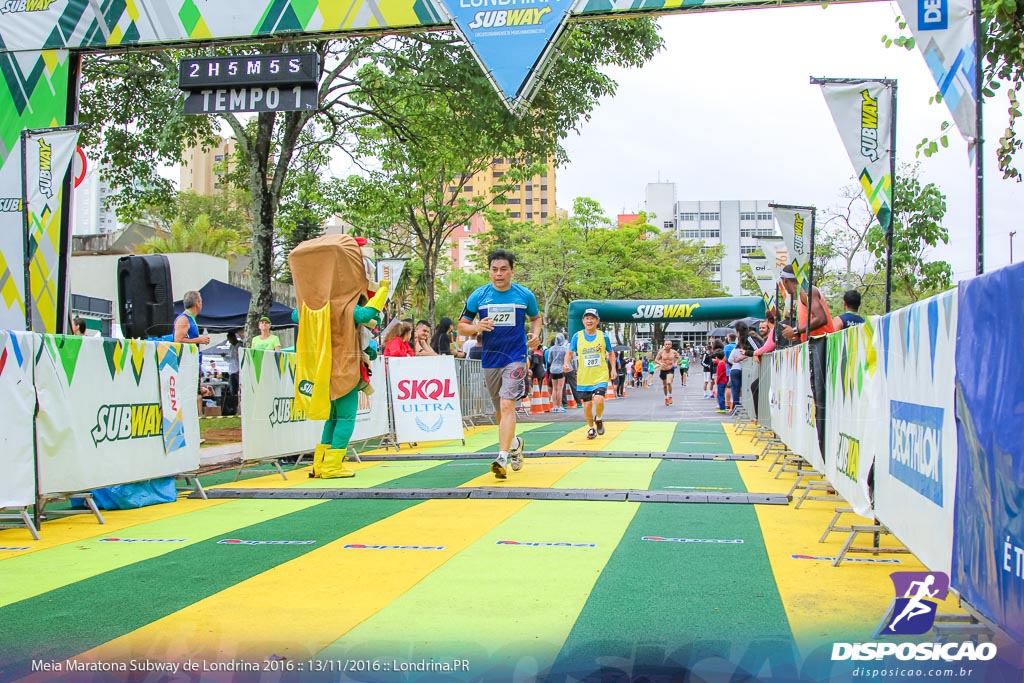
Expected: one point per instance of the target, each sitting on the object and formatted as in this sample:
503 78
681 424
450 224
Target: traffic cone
545 396
570 400
536 406
524 403
609 394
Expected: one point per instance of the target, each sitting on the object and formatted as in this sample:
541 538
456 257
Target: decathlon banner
944 32
855 418
274 426
17 456
100 420
916 464
47 155
792 403
795 224
988 539
425 398
862 111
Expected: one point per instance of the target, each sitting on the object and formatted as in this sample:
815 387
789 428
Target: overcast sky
726 112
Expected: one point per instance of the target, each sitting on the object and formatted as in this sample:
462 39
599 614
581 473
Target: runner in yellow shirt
596 356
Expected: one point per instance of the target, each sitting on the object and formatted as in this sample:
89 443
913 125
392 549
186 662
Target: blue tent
225 307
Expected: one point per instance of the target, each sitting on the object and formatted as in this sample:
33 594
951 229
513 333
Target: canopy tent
225 307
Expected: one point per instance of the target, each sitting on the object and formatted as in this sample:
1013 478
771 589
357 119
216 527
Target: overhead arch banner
666 310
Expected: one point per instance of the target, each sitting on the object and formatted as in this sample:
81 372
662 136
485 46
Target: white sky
726 111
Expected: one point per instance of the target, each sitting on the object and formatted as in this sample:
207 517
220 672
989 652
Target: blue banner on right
988 537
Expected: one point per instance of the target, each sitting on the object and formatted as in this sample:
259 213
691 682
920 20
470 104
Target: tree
917 225
197 237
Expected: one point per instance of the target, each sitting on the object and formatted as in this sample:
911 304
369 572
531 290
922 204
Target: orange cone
570 400
545 396
609 394
524 403
536 406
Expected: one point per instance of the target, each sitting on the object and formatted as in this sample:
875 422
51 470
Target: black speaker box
144 296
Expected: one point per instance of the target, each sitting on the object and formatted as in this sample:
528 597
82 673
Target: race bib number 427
503 316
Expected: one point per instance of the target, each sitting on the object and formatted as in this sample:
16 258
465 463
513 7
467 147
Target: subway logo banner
796 226
17 461
863 115
917 461
855 420
101 419
274 426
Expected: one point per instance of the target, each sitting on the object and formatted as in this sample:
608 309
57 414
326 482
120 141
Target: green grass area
232 422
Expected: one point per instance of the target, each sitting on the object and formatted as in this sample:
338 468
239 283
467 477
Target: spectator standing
421 339
555 357
266 341
78 327
721 380
234 349
442 342
396 341
851 304
707 364
186 329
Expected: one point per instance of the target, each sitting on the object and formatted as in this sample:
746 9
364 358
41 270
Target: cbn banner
425 398
777 253
988 538
762 269
944 32
855 419
792 404
916 463
47 155
17 457
100 419
863 115
274 426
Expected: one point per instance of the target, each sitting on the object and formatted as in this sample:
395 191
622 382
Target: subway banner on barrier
792 404
944 32
855 419
273 425
511 40
101 421
916 463
988 538
862 112
425 398
17 457
47 155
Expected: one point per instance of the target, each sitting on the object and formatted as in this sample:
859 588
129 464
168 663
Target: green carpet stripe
518 601
547 433
75 618
30 575
715 476
481 441
691 592
447 474
610 473
370 477
697 438
644 436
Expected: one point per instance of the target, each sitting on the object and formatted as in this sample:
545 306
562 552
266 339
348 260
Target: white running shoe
515 454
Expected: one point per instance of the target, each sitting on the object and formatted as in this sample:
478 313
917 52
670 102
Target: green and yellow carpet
462 589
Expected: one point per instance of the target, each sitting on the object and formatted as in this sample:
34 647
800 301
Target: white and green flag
761 266
796 226
862 111
775 250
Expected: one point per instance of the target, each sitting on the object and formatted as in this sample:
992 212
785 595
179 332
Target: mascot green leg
337 433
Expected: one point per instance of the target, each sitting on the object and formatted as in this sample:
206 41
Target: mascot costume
338 305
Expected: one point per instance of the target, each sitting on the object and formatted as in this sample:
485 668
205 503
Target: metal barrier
473 397
764 411
749 368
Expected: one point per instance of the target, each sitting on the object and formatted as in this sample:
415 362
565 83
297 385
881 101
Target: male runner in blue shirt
504 308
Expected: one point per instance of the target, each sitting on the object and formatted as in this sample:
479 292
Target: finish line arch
666 310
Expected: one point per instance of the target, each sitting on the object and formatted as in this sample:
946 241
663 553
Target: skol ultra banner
47 155
101 420
855 418
274 426
916 463
792 404
17 456
863 115
944 32
425 398
795 225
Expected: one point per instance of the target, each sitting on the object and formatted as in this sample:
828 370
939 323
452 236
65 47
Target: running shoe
591 433
721 411
666 400
670 400
515 454
498 467
600 427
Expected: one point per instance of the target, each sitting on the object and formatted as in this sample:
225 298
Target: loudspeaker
144 296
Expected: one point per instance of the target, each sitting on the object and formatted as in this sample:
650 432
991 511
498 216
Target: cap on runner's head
591 311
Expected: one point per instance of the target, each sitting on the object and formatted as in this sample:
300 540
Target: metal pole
810 276
892 200
979 187
25 229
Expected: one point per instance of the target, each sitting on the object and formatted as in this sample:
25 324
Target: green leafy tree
197 237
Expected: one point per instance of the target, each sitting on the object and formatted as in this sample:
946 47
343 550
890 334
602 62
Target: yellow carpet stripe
536 473
643 436
79 527
298 608
294 478
809 587
577 440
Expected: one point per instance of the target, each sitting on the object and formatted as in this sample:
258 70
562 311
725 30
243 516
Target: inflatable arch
666 310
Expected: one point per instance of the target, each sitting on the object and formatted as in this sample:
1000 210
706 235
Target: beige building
530 202
201 170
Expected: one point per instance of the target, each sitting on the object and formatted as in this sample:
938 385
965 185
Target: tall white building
735 224
89 215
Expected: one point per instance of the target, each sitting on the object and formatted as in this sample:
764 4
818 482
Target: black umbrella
749 322
620 348
721 332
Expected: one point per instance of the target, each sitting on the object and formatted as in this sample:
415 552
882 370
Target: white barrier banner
100 420
917 459
425 398
855 418
17 459
272 424
792 404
